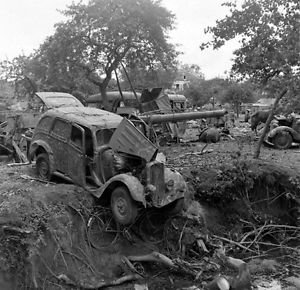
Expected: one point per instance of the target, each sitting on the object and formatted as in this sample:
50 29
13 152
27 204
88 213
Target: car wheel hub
281 140
121 206
43 168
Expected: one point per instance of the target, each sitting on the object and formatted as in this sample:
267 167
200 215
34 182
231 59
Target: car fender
40 143
134 186
279 129
177 191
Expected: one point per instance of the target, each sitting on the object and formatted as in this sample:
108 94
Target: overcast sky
24 25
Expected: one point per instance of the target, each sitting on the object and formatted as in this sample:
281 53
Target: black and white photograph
150 144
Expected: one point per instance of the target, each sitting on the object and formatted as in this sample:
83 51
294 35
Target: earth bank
248 208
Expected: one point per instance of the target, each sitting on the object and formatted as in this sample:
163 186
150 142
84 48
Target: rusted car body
18 122
107 155
285 132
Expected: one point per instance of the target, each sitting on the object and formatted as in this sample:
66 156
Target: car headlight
170 185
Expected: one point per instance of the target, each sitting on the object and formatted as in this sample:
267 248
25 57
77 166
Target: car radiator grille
157 178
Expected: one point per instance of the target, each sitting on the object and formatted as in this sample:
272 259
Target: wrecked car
18 125
107 155
284 132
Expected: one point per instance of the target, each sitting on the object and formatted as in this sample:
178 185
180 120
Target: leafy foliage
268 31
86 48
191 72
236 94
148 77
19 72
98 36
206 91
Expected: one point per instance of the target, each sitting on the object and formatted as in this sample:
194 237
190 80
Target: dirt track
53 217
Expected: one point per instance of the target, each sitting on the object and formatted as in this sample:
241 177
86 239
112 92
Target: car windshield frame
62 101
103 135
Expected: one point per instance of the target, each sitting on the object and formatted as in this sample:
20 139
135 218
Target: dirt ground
247 208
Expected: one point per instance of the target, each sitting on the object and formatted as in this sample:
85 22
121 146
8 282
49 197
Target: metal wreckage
113 156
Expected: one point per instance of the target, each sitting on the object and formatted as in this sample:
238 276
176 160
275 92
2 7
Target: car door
58 140
76 155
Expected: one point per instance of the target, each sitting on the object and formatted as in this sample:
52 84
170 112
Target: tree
148 77
18 72
191 72
269 37
236 94
203 92
98 36
269 52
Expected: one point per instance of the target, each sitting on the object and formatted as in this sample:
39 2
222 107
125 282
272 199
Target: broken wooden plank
19 153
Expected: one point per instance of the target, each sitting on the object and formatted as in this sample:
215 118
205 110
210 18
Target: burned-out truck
109 156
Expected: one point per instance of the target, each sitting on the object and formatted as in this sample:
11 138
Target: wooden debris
153 257
27 177
18 164
19 153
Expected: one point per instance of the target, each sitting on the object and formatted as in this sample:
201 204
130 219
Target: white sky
24 25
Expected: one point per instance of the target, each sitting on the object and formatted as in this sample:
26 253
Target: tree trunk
104 97
237 110
262 137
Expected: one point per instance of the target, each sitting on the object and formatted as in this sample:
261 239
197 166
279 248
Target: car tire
123 207
282 140
43 166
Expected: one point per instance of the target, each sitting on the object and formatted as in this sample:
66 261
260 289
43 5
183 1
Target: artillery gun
173 126
177 117
165 113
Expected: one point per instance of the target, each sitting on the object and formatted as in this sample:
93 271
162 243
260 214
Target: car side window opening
76 136
103 136
45 123
89 142
61 128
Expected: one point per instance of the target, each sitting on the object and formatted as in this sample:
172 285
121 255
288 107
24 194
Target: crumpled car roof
58 99
87 116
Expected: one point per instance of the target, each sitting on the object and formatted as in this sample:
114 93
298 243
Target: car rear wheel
282 140
123 207
43 166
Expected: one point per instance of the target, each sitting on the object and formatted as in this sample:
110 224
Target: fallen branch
131 266
227 136
234 243
153 257
100 284
27 177
81 260
16 229
18 151
6 148
178 264
18 164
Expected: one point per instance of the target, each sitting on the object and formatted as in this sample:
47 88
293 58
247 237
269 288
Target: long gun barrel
178 117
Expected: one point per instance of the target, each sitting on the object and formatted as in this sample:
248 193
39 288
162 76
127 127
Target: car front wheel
282 140
124 208
43 166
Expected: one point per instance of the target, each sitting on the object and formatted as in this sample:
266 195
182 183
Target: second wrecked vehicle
284 132
107 155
